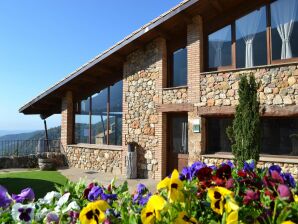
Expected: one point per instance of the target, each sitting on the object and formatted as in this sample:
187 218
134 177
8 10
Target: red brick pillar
67 123
195 67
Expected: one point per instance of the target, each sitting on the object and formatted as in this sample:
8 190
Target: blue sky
41 41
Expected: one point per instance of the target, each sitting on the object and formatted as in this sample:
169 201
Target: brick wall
67 122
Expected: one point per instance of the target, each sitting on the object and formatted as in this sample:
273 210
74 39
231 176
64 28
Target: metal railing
28 147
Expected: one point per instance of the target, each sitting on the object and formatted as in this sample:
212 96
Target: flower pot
46 164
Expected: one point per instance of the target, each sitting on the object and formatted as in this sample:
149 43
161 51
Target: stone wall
106 159
278 87
175 95
142 123
287 166
31 161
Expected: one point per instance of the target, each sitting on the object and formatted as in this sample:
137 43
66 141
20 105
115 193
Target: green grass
40 181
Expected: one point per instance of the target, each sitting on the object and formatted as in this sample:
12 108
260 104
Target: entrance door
178 142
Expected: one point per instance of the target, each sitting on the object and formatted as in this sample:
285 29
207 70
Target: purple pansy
289 179
22 213
274 168
95 193
5 200
26 194
228 162
141 196
249 166
52 218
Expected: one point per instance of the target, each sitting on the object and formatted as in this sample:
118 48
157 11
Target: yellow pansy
152 210
217 196
231 204
296 198
232 218
174 186
94 212
288 222
184 219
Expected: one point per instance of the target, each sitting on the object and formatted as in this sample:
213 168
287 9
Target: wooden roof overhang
107 68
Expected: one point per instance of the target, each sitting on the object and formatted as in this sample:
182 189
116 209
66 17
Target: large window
264 36
220 54
98 119
284 17
179 77
279 136
251 39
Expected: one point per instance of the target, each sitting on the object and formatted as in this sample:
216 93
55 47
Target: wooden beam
216 111
187 18
164 33
216 5
183 107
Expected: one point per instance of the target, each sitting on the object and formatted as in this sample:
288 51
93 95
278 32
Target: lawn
40 181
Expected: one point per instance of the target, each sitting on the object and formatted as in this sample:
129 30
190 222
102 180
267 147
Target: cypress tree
245 130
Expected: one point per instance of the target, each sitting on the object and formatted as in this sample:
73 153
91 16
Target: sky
42 41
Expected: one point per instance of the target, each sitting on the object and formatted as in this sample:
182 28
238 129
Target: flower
284 191
88 189
288 222
249 165
63 199
217 197
232 218
250 196
174 186
22 213
94 193
205 177
142 195
52 218
274 168
26 194
151 212
94 212
50 196
289 180
5 200
184 219
72 206
222 175
73 217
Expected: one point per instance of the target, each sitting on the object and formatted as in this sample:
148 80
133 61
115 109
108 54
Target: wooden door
177 142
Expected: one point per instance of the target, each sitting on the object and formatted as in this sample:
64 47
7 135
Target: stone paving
75 174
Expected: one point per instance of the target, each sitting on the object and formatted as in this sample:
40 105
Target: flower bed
199 194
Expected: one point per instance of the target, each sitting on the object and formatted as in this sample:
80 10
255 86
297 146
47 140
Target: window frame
78 110
270 61
174 46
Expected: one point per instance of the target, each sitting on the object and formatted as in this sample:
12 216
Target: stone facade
287 166
175 95
104 159
278 86
142 124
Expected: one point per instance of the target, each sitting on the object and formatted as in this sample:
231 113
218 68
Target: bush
245 131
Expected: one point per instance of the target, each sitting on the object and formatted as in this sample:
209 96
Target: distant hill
53 133
10 132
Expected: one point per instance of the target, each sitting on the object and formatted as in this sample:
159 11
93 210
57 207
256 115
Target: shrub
245 131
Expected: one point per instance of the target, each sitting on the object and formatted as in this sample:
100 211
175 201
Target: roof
107 68
130 38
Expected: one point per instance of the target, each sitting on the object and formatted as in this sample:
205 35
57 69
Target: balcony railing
28 147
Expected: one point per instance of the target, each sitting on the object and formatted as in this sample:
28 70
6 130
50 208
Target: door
177 142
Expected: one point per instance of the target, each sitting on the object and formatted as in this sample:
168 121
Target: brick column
161 127
67 123
195 67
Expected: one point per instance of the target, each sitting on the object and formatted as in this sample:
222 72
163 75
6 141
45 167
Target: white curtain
283 13
217 40
248 27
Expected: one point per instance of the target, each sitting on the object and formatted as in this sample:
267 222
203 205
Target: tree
244 133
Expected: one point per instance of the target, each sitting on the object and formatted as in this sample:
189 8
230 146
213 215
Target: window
284 22
179 77
82 121
98 119
116 114
279 136
220 53
251 39
179 134
264 36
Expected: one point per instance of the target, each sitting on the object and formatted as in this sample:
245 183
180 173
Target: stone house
171 89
